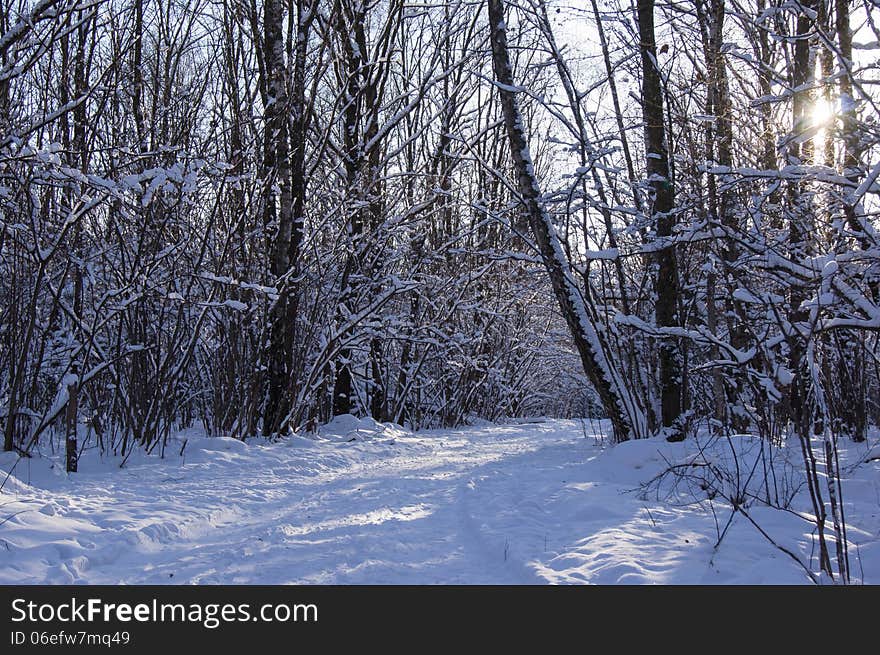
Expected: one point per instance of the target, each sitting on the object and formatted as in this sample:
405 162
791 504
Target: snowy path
512 504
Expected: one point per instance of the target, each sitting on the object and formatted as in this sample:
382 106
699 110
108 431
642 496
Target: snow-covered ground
548 501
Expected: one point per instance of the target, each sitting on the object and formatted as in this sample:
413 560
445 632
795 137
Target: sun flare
823 111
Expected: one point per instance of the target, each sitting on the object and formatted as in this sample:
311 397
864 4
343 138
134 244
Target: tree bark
284 166
627 418
657 168
350 75
70 420
799 222
854 410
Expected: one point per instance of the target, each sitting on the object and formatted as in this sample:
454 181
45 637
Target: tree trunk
279 215
70 424
657 167
627 418
854 410
350 75
799 223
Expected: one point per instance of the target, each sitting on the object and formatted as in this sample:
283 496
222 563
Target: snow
609 254
542 501
235 304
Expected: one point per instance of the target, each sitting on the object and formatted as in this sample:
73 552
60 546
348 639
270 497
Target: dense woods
260 215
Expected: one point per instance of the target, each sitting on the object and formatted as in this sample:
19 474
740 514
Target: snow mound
348 428
204 449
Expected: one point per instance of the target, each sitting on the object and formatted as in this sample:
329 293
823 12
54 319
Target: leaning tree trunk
627 417
657 168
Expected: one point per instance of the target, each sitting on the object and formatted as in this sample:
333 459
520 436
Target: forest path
502 504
